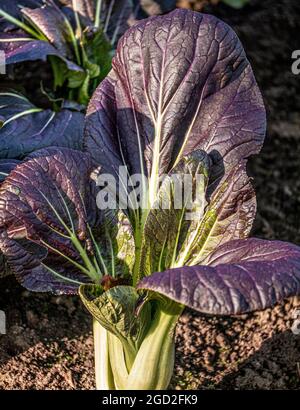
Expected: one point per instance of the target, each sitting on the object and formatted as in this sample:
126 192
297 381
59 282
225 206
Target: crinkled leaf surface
241 276
115 310
31 131
39 198
186 235
117 243
179 82
228 215
172 217
7 165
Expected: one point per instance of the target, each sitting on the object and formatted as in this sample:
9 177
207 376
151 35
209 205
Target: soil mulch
49 342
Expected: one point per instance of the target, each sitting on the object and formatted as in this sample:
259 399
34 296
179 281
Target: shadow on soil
35 317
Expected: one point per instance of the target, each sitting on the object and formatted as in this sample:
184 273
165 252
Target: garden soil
49 344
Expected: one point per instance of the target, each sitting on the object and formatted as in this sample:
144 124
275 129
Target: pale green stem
97 248
73 40
150 368
98 14
103 372
138 250
78 266
118 362
82 252
111 253
154 363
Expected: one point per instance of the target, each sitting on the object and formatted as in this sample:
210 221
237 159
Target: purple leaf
31 50
38 199
51 21
7 165
30 272
241 276
179 82
29 131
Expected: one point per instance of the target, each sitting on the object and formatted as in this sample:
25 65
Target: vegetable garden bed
49 342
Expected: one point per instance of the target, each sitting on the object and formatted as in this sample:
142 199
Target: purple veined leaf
249 251
26 128
31 272
28 49
162 101
42 200
12 103
51 21
102 112
7 165
240 276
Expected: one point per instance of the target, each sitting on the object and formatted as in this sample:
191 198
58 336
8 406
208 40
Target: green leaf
115 310
210 215
154 364
93 69
84 95
228 216
121 234
115 241
76 79
171 221
99 52
60 71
